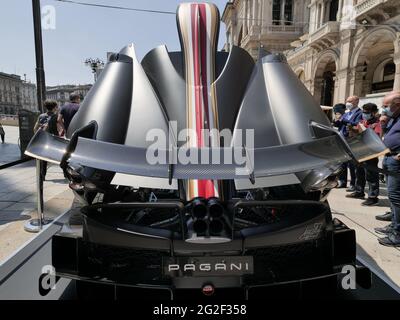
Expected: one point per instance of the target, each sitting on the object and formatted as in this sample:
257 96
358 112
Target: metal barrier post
36 225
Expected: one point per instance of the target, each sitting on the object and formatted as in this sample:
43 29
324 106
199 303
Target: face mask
349 106
367 116
388 112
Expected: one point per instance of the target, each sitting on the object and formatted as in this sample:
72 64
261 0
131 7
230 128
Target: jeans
372 177
393 186
343 175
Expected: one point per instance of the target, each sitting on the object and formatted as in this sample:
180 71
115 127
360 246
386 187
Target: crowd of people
350 120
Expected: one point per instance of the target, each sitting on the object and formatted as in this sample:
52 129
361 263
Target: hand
397 157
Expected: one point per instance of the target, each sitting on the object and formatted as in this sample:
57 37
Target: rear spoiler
328 150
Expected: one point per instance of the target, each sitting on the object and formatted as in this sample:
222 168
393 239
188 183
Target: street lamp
95 65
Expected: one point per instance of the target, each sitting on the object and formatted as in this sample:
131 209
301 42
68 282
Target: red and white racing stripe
198 24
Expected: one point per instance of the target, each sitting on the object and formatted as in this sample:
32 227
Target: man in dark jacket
391 163
370 120
349 120
68 111
339 111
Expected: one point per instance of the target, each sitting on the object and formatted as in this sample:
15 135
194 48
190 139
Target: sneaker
370 202
351 189
392 240
356 195
385 230
385 217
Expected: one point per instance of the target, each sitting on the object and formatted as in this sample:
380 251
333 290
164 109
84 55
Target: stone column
396 61
260 21
396 85
267 15
254 11
312 18
357 81
317 16
322 14
317 87
244 17
343 72
339 13
249 15
308 70
255 27
343 85
336 90
366 87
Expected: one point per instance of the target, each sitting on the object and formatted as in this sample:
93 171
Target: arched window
389 71
282 12
383 78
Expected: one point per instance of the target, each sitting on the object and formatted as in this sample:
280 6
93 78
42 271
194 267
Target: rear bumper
278 260
321 287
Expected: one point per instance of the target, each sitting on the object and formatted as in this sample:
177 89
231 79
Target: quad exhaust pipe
208 221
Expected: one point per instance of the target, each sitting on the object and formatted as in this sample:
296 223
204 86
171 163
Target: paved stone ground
18 202
384 260
9 151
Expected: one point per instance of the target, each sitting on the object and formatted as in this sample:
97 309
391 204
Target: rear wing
328 150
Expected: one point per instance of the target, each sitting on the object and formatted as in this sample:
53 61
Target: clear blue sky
82 32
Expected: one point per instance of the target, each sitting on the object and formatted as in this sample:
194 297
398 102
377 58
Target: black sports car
202 170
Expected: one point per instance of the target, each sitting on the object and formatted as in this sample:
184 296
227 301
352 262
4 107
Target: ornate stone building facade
16 94
29 96
272 23
347 47
61 93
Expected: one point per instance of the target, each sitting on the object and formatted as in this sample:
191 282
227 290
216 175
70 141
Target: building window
288 17
333 10
282 12
276 12
389 71
383 79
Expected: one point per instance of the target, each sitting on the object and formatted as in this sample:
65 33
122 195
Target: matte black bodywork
273 210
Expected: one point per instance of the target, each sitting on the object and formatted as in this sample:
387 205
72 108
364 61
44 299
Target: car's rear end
243 246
